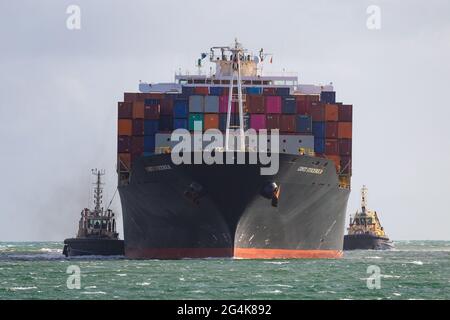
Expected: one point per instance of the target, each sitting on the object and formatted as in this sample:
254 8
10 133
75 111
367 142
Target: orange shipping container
124 161
331 112
124 127
138 110
336 160
211 121
345 130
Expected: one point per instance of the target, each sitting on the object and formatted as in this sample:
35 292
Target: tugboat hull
366 242
93 247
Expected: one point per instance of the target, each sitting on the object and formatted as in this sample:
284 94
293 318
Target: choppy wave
405 271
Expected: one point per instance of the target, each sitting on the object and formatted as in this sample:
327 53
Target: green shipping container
193 117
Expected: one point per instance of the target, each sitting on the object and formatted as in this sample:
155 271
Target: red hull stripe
242 253
252 253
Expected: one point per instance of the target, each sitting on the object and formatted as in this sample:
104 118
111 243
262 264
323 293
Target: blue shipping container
152 102
304 124
165 123
180 108
187 91
282 91
180 124
150 127
289 105
318 129
149 143
215 91
328 96
319 145
254 90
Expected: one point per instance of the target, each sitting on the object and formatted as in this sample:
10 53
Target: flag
271 58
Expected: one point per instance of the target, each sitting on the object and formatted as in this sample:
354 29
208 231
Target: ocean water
414 270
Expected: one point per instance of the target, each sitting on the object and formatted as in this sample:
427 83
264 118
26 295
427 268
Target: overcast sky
59 90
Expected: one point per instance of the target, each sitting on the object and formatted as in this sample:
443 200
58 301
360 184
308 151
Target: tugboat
365 231
97 229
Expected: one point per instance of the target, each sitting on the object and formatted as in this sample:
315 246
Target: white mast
98 190
237 54
363 199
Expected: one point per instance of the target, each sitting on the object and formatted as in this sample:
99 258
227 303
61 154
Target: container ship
365 231
173 211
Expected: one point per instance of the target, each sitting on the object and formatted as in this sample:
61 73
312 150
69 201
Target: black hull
366 242
93 247
229 217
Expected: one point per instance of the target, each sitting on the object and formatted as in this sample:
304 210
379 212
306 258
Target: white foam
144 284
93 292
277 262
22 288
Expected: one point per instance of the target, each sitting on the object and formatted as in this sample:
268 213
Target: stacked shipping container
143 115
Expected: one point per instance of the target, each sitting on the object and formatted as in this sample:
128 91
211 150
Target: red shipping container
331 112
300 97
258 121
130 96
273 104
125 110
345 112
147 95
313 98
317 111
137 145
138 127
138 110
223 105
167 106
287 123
269 91
346 165
345 130
273 121
345 147
303 107
331 130
201 90
255 104
151 112
123 144
331 147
